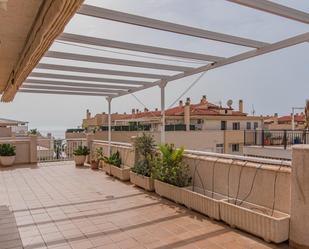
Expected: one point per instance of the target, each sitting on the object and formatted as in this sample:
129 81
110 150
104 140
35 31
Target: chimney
180 103
187 114
88 114
145 109
156 109
133 111
241 105
204 99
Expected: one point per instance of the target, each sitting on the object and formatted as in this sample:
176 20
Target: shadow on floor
9 234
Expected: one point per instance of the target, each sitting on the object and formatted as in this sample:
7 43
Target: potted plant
116 168
7 154
267 138
97 158
80 155
171 173
145 151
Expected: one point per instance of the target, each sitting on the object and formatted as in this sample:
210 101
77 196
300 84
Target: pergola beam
75 84
64 93
136 47
240 57
74 89
87 78
276 9
99 71
106 60
166 26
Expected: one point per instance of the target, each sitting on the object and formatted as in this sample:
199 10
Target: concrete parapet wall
265 185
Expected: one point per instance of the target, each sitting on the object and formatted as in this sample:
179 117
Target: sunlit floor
56 205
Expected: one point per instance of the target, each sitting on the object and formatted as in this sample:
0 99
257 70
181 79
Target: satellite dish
229 103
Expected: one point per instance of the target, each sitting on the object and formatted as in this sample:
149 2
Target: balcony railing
279 138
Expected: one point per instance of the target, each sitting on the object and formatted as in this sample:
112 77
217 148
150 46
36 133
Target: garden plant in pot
171 173
7 154
80 155
145 152
98 157
114 163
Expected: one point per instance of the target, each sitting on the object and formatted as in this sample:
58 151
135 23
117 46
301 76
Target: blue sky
271 83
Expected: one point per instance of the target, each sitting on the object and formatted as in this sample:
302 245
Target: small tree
145 149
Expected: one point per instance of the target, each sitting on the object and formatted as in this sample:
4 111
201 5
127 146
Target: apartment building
204 125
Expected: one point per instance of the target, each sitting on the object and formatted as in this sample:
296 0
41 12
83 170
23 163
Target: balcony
57 205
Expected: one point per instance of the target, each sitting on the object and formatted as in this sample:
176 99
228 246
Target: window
248 125
235 147
223 125
256 125
236 126
219 148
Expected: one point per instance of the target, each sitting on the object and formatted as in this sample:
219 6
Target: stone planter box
122 174
144 182
256 220
7 160
106 168
79 160
202 201
168 191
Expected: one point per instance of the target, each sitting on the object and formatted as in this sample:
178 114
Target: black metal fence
280 138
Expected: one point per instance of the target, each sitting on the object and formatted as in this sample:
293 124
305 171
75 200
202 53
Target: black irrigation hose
198 174
251 188
213 178
274 197
228 181
239 181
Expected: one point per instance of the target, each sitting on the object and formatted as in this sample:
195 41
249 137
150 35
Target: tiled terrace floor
56 205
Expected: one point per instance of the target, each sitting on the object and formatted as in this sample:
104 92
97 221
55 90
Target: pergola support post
162 88
109 101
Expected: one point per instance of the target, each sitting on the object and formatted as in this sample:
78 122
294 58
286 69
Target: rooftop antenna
253 110
229 103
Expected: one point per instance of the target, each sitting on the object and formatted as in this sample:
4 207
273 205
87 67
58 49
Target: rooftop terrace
56 205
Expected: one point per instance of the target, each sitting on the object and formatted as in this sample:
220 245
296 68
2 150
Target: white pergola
112 88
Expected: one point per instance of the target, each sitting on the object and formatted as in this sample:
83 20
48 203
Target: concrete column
33 148
299 225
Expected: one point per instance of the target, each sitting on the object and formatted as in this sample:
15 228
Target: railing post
285 139
263 138
245 142
299 221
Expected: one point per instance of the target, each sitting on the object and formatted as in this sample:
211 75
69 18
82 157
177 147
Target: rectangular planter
168 191
106 167
202 201
144 182
122 174
256 219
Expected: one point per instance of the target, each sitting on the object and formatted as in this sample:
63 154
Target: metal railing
50 149
279 138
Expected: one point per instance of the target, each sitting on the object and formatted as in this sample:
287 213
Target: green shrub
81 151
7 150
114 159
170 168
145 152
99 154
